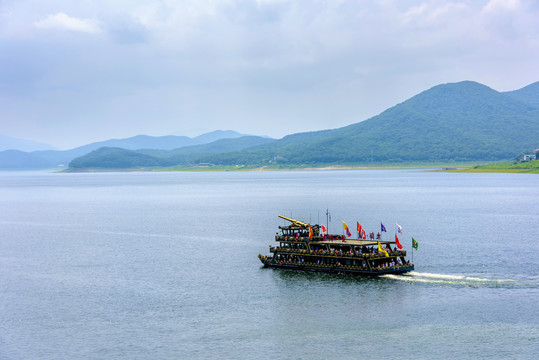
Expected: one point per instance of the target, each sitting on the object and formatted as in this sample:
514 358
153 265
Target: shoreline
225 169
464 167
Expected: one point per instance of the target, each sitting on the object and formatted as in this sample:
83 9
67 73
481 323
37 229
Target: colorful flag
399 228
397 242
380 249
324 230
360 231
310 231
382 227
345 227
414 244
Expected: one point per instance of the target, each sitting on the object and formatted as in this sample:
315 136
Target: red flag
310 231
324 230
397 242
361 232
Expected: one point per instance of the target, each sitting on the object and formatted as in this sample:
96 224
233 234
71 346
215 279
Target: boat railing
374 255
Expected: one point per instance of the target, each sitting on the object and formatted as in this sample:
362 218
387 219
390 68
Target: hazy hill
18 160
168 142
117 158
11 143
53 158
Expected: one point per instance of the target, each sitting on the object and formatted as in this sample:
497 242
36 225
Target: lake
164 266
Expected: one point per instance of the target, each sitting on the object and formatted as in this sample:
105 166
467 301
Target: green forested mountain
464 121
451 122
114 158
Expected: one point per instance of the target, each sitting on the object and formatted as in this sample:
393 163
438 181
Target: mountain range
17 159
11 143
464 121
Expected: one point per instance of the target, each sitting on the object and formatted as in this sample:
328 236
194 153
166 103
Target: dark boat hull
338 269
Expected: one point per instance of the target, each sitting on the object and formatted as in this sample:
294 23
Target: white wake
455 280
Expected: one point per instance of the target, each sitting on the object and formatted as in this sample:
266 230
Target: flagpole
327 219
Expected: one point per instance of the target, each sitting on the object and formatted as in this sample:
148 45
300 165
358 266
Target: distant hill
20 160
116 158
11 143
53 158
168 142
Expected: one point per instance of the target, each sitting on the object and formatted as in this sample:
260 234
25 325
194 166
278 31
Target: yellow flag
380 249
345 227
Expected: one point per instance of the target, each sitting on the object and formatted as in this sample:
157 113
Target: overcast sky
74 72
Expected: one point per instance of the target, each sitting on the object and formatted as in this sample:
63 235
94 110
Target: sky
77 71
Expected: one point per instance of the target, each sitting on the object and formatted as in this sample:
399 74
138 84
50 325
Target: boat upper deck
353 242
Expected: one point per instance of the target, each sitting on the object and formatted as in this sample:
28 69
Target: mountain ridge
54 158
12 143
453 122
463 121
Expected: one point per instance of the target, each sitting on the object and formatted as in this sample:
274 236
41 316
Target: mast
328 219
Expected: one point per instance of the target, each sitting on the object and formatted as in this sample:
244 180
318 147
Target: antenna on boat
328 218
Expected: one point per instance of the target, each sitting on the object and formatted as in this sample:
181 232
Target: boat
303 246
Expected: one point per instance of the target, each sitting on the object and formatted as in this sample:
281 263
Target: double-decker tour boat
302 246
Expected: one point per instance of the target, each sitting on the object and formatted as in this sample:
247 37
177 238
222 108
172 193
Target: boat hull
336 269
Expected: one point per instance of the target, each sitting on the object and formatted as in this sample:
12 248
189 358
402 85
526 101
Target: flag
380 249
399 228
382 227
360 231
324 230
345 227
397 242
310 231
414 244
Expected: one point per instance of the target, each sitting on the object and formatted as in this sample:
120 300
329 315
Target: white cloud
435 13
293 64
62 21
500 5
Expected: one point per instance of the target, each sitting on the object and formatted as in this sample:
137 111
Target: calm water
164 266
